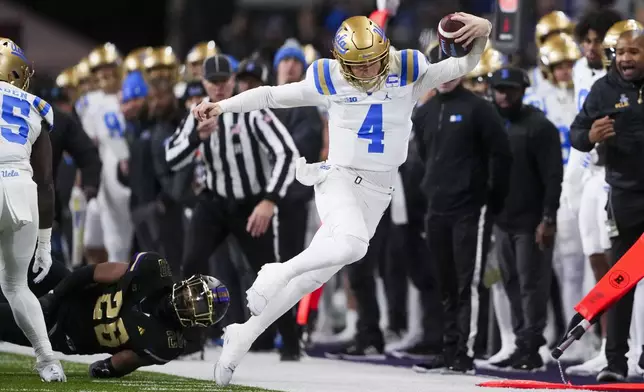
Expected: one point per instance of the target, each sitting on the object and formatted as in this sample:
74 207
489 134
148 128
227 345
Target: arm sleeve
580 128
432 75
497 144
277 141
546 150
41 162
303 93
180 149
83 151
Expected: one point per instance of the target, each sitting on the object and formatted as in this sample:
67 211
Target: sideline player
370 91
108 223
27 207
130 310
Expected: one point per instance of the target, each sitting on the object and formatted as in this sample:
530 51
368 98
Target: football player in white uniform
550 24
27 200
108 226
370 91
558 54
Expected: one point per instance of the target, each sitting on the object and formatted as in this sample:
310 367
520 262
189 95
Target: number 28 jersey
112 318
367 131
21 121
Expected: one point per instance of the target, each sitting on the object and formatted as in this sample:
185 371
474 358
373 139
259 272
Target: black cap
510 77
194 89
217 68
255 68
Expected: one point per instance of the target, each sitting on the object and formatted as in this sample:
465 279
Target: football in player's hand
447 28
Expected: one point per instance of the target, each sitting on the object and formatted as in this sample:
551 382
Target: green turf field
16 374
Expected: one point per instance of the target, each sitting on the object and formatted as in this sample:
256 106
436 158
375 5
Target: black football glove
103 369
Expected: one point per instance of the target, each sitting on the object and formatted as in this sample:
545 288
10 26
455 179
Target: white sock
285 299
28 315
503 314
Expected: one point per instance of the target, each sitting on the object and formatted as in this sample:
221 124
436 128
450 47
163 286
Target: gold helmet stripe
322 77
409 67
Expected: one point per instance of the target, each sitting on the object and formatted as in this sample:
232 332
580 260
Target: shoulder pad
322 76
44 110
409 66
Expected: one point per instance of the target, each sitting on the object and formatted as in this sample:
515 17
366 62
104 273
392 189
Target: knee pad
350 247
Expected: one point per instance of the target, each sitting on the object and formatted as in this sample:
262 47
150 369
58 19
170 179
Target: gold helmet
551 23
201 51
555 50
310 54
67 78
162 62
14 66
134 60
612 36
360 41
106 54
82 70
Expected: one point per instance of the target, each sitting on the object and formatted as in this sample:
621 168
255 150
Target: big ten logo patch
619 279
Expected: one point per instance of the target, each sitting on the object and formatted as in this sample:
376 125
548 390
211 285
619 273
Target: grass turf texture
17 374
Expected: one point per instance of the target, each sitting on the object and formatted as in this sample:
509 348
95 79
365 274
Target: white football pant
350 210
18 237
108 222
569 260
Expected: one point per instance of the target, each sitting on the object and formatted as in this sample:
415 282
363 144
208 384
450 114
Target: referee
249 164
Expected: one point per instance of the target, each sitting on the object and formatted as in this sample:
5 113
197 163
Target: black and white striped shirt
249 154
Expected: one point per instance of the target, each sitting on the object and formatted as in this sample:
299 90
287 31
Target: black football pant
527 274
11 333
619 315
457 246
213 220
57 272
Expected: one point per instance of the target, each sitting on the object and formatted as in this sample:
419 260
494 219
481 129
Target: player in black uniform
132 311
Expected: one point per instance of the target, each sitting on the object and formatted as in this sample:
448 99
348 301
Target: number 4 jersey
21 122
124 315
367 131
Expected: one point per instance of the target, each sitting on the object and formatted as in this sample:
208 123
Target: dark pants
362 281
293 220
213 220
458 245
161 232
619 315
408 245
527 274
394 275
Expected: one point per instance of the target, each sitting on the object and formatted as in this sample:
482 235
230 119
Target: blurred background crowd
160 58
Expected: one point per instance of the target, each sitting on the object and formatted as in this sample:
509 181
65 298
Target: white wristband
44 236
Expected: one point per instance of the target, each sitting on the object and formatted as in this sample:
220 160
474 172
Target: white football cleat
51 371
270 280
237 342
592 366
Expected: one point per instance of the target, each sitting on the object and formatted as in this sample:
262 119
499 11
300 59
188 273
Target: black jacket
624 152
68 136
465 150
537 172
305 126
